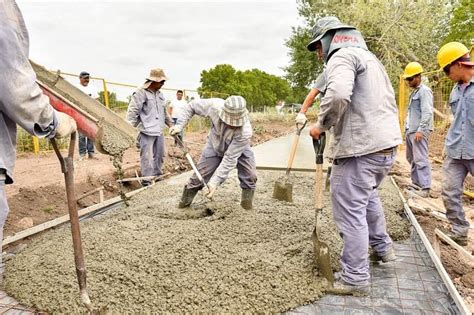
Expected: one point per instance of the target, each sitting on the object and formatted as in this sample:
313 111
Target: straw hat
156 75
234 112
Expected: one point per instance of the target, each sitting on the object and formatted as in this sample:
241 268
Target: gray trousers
358 212
3 217
86 145
152 151
455 172
210 161
417 156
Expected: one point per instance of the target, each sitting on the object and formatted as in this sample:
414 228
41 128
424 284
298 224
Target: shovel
190 160
283 188
321 250
67 167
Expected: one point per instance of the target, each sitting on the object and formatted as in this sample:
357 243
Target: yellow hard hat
451 52
412 69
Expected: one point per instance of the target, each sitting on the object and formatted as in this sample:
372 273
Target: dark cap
322 26
84 74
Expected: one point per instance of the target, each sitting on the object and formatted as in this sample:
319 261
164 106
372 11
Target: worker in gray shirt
21 101
454 59
227 147
359 103
418 126
147 112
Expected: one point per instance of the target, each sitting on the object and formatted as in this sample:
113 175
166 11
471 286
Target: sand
212 257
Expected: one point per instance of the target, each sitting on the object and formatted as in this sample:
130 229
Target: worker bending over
21 101
418 126
454 59
227 147
359 103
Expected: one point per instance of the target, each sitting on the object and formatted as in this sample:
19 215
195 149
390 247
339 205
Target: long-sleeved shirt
420 111
21 99
226 142
460 138
359 102
147 111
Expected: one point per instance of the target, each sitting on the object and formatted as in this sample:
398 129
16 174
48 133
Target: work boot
389 256
247 198
187 197
347 288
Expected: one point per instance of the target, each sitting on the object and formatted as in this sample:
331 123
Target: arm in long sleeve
21 99
229 161
200 107
340 74
319 86
426 105
135 107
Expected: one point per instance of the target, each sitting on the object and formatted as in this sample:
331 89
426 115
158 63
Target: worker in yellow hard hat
455 61
418 126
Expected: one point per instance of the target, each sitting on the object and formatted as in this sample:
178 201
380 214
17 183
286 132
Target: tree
397 31
461 24
257 87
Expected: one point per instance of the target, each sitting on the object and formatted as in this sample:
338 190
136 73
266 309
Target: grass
48 209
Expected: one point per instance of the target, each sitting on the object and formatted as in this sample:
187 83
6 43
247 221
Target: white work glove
210 191
66 125
301 118
175 130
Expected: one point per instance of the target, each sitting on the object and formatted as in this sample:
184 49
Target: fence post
401 102
36 147
106 94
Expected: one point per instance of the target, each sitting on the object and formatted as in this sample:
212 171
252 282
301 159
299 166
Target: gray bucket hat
235 111
322 26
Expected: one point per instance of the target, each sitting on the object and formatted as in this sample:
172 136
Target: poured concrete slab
274 154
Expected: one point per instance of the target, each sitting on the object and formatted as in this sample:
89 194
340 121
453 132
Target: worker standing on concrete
418 126
86 145
176 107
147 112
359 103
454 59
21 101
227 147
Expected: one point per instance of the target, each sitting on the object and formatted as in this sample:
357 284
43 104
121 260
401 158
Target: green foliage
461 27
257 87
398 32
114 103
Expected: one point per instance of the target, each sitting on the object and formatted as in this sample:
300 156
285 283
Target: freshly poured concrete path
274 154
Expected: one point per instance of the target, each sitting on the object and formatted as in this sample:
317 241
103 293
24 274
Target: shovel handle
319 145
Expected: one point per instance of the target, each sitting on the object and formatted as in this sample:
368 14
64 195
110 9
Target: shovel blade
283 190
322 259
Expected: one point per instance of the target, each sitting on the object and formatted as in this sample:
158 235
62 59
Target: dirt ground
38 193
461 273
213 257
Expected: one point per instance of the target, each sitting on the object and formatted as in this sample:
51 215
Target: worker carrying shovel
227 147
359 103
21 101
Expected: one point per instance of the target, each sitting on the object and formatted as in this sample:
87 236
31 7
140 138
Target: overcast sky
123 40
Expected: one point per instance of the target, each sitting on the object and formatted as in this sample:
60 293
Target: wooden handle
318 186
292 153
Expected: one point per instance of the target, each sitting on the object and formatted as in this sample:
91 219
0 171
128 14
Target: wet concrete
209 258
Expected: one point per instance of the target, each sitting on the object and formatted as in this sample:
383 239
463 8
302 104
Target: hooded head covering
322 26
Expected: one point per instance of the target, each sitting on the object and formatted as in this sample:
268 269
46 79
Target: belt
388 151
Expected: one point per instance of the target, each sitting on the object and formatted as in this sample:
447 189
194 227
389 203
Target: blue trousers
86 145
455 172
152 151
358 212
417 156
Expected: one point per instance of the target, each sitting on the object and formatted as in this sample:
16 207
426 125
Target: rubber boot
187 197
247 198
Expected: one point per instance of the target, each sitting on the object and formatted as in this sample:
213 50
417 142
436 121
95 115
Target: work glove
175 130
301 118
210 191
66 125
